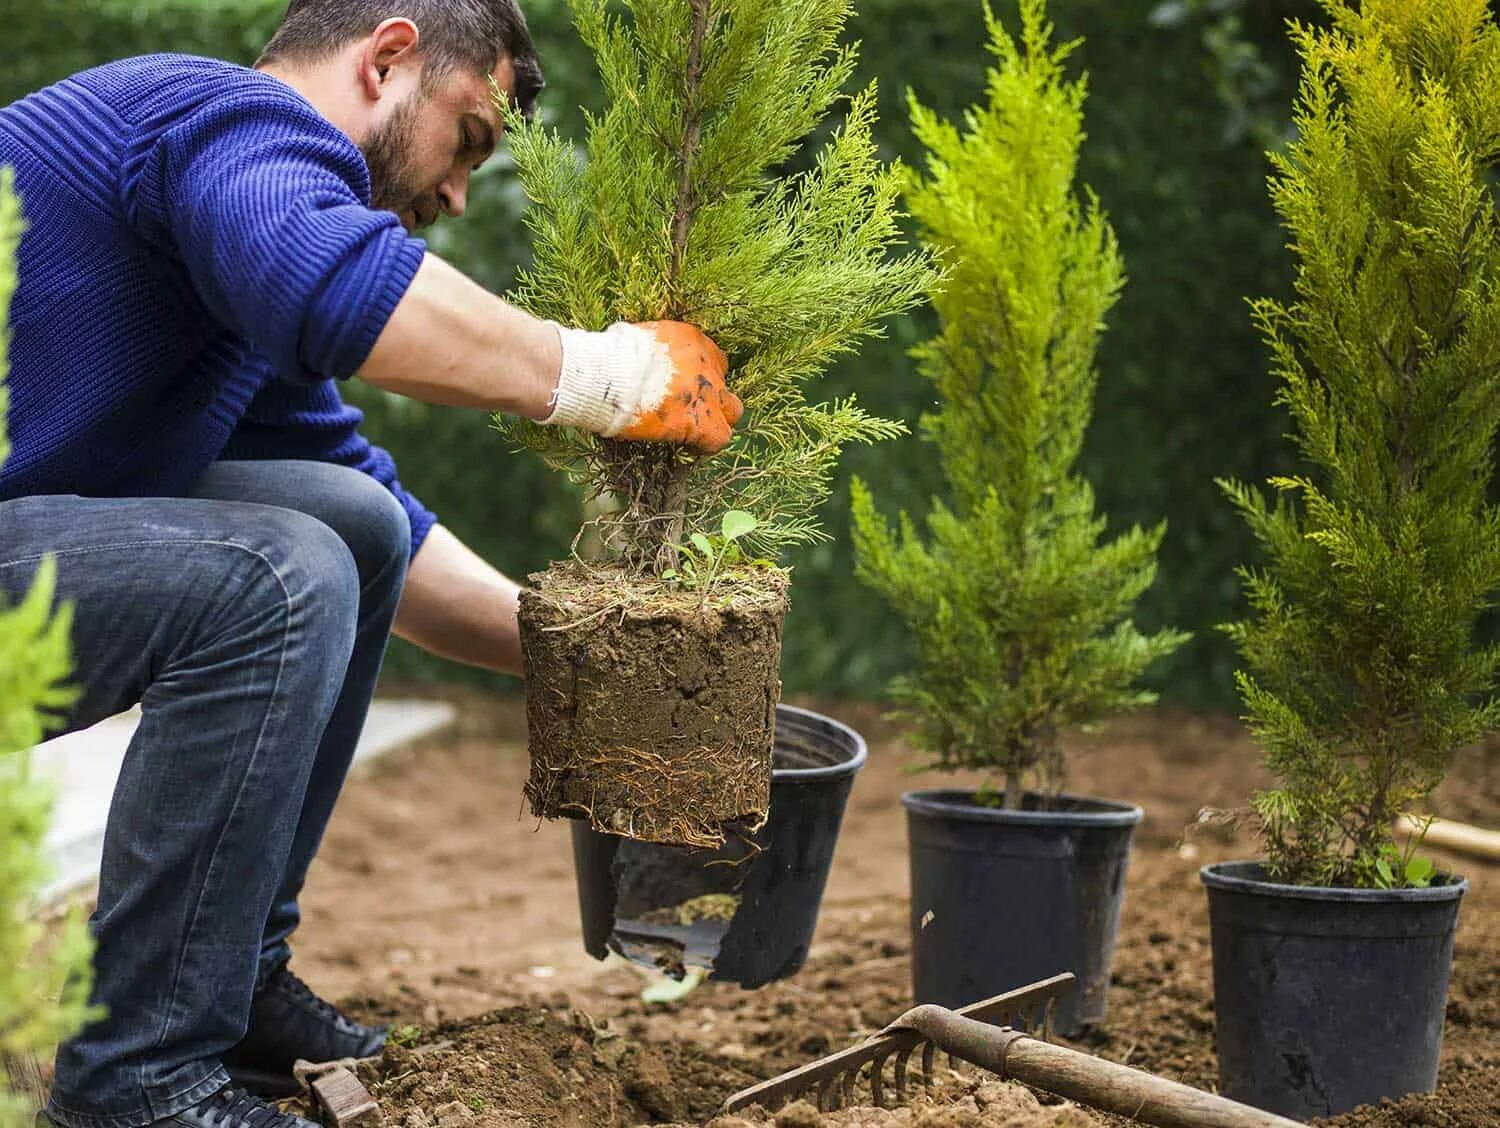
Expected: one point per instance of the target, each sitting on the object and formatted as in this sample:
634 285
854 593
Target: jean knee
312 571
370 520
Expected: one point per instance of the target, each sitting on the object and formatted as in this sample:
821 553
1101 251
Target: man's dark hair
456 34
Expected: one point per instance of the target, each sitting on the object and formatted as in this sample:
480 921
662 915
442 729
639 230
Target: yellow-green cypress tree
1021 615
1363 665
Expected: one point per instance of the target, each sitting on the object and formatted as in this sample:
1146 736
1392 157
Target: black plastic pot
745 912
1327 999
1001 898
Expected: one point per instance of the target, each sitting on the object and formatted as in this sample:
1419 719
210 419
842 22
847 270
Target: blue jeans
249 621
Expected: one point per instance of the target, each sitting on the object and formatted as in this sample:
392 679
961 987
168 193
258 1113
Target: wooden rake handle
1459 837
1079 1077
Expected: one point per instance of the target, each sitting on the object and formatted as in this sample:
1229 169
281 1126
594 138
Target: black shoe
288 1022
228 1108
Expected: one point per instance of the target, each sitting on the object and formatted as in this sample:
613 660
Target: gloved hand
660 381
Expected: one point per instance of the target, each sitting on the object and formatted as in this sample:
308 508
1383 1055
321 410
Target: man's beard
393 183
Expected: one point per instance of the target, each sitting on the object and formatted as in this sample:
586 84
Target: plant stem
1015 782
692 140
666 478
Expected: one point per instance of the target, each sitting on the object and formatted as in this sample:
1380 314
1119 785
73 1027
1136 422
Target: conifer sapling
1364 669
656 666
1020 614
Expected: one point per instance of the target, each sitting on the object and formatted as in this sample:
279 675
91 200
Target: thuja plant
43 985
1363 665
677 208
1020 610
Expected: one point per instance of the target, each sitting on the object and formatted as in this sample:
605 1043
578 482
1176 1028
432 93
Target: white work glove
660 381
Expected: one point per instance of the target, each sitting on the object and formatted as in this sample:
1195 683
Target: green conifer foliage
1020 613
676 211
33 662
1363 672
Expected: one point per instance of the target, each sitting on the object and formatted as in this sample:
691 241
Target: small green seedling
988 795
705 557
406 1036
1393 871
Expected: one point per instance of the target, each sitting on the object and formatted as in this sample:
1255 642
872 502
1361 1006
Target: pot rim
1219 877
957 803
801 718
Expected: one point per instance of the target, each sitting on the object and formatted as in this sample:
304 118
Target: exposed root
653 797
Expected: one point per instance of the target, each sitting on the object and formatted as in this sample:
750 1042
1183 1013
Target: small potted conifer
44 983
1363 666
653 669
1020 614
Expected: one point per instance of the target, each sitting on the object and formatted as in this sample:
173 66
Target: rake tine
825 1094
902 1060
877 1081
850 1077
928 1051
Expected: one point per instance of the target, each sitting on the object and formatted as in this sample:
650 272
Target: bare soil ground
437 905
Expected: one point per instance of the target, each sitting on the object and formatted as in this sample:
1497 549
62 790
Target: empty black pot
747 911
1327 999
1002 898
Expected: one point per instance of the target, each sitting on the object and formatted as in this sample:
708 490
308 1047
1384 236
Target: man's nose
453 194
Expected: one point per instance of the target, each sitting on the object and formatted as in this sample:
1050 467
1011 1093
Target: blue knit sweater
200 266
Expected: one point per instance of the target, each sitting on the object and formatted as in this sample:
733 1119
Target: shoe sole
268 1086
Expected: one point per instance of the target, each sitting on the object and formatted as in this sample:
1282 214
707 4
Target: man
210 249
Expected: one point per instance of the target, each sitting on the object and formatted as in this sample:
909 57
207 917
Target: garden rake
1007 1035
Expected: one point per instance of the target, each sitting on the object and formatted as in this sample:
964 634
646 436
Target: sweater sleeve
265 205
311 422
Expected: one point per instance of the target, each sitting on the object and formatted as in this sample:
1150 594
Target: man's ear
393 43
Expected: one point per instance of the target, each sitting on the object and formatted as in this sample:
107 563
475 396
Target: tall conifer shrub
34 975
1021 615
1363 670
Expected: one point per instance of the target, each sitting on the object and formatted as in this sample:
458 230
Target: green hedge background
1185 97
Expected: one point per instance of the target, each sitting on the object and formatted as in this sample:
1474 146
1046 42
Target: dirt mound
544 1063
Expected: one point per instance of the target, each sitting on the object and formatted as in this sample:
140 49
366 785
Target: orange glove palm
694 408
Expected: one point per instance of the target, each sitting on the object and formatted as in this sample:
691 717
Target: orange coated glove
661 381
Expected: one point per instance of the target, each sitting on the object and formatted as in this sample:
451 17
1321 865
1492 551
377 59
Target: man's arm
449 341
458 607
452 342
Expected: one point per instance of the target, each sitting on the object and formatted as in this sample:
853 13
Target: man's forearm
456 606
452 342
